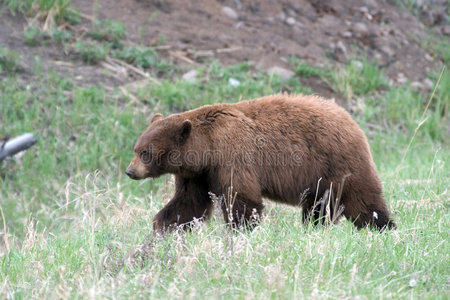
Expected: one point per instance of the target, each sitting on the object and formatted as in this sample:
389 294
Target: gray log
16 145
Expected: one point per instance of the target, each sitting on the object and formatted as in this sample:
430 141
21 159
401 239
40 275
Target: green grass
144 57
302 69
357 78
9 61
59 9
108 30
72 216
92 52
33 35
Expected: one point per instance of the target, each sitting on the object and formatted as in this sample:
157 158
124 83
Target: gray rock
416 85
358 65
360 29
428 83
330 21
347 34
364 9
388 50
445 29
281 16
190 76
290 21
233 82
401 78
371 3
285 74
229 12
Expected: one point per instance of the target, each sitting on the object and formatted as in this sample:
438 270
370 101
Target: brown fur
279 147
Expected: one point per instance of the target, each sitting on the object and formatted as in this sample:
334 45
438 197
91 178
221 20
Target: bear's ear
184 132
156 118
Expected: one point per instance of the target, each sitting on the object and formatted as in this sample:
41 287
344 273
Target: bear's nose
130 172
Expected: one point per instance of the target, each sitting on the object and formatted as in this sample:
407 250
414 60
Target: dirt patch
267 33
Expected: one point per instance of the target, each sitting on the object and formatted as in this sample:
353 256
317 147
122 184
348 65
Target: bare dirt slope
265 32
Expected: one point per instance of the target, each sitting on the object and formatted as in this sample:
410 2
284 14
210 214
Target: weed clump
9 61
108 31
92 52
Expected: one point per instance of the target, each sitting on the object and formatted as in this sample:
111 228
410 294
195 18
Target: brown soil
265 32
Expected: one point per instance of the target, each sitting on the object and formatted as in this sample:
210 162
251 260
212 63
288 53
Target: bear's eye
145 156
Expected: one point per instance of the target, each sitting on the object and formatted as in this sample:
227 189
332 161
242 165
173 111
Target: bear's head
158 149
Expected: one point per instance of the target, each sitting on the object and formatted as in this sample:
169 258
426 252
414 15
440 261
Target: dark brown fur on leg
240 212
191 201
316 209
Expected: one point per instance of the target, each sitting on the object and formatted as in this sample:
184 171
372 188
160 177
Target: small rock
445 29
190 76
237 3
371 3
360 29
340 45
358 65
401 78
347 34
229 12
364 9
285 74
281 16
388 50
428 83
290 21
428 57
233 82
416 85
330 22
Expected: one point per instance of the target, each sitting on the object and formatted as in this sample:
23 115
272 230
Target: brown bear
298 150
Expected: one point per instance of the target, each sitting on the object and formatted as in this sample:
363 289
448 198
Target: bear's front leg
240 196
239 211
191 201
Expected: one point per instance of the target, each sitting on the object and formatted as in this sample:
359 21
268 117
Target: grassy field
74 226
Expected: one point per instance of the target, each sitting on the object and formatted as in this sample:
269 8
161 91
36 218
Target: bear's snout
131 173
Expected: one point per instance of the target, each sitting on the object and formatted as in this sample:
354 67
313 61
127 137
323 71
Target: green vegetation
358 77
58 10
61 36
72 216
442 49
145 58
411 5
302 69
9 61
108 30
92 52
33 35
